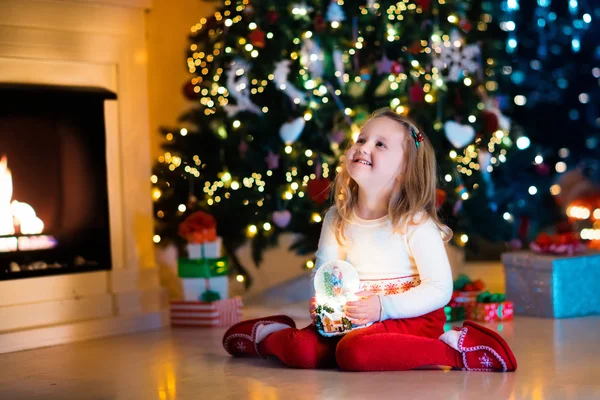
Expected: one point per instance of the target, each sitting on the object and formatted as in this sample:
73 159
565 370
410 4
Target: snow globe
336 283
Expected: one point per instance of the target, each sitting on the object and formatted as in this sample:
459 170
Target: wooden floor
558 359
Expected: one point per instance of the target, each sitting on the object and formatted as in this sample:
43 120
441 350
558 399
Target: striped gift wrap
219 313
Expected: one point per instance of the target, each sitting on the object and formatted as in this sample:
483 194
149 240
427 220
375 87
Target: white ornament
338 63
457 57
484 158
238 87
311 58
457 134
335 12
335 283
281 73
290 131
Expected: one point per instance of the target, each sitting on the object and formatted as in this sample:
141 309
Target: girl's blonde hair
412 194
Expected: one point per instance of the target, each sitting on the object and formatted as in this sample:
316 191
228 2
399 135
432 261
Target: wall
168 25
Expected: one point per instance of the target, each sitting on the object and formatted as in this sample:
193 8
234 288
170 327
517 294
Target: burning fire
19 215
16 213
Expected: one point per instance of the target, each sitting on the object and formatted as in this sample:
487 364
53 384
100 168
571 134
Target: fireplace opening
54 215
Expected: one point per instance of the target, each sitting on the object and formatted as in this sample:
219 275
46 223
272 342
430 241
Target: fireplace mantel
92 43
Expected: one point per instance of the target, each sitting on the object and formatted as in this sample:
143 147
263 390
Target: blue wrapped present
553 286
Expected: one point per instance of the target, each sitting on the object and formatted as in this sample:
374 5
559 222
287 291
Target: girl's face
377 157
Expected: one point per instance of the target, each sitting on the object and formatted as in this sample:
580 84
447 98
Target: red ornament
415 47
257 38
188 91
490 122
440 198
542 169
458 100
319 23
478 285
318 190
465 25
396 68
416 93
272 17
424 4
523 229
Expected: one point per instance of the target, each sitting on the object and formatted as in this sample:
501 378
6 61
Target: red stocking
387 351
301 348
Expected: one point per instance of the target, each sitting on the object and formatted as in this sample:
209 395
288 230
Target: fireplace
53 183
66 138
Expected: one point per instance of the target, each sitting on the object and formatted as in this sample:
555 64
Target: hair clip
416 135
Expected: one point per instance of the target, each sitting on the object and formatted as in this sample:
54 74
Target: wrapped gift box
492 312
553 286
194 288
200 276
467 300
202 268
220 313
454 312
208 249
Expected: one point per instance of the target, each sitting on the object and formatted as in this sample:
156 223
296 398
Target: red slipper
240 339
484 350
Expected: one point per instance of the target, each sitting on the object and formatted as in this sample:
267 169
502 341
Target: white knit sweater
379 253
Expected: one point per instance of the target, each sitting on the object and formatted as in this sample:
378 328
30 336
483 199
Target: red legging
391 345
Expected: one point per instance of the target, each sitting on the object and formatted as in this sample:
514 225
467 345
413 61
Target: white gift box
194 287
205 250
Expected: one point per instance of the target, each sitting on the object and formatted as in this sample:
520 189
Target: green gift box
454 313
202 267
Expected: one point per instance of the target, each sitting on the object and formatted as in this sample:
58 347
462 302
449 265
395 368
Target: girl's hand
365 310
311 308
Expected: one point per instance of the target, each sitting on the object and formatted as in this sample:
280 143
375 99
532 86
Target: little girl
384 223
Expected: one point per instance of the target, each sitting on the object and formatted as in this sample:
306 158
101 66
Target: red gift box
219 313
491 312
468 300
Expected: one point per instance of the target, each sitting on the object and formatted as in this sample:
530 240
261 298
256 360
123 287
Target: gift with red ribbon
465 296
566 244
204 271
199 227
491 308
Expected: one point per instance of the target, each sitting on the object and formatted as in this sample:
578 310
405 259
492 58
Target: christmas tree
283 87
550 80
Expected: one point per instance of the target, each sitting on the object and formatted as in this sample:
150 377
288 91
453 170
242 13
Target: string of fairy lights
217 94
213 93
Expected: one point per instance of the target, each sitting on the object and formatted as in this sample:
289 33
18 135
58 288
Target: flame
15 214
